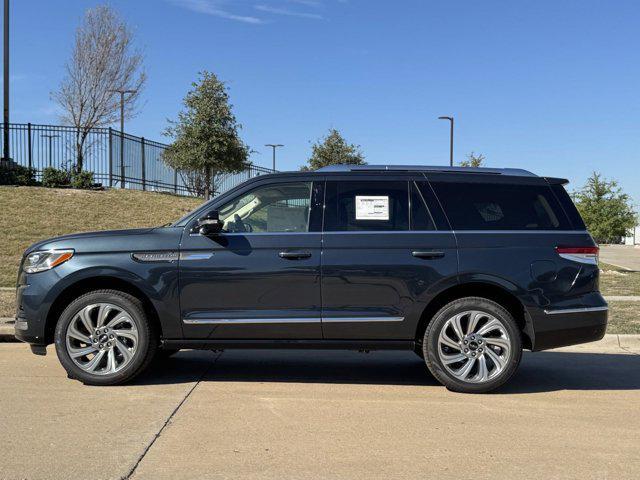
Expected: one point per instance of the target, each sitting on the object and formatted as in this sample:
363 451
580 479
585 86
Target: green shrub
82 180
17 175
55 178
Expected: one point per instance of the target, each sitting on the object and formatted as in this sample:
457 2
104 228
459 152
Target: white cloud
213 7
307 3
287 12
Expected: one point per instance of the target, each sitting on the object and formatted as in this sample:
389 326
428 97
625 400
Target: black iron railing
140 167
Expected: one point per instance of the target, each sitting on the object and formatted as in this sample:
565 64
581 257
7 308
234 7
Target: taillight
579 254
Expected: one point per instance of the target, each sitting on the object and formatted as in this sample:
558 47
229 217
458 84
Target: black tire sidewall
134 308
430 344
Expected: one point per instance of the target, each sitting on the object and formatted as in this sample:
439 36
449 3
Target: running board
223 344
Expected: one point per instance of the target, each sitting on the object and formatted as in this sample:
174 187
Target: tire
120 348
496 347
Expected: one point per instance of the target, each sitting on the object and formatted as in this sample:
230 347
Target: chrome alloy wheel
474 346
102 338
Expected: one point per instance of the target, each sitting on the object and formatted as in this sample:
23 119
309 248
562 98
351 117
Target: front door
260 277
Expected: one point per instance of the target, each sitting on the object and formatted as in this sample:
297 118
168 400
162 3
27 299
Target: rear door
508 228
385 251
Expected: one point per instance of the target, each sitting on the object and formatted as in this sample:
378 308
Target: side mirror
209 225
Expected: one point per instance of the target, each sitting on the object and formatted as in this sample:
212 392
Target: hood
96 241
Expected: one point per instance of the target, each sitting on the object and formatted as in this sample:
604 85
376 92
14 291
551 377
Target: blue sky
550 86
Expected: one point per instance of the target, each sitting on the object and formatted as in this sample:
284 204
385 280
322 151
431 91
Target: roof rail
425 168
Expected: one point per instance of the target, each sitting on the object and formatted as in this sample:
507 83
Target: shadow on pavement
538 372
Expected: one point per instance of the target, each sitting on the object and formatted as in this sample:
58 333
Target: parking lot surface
625 256
570 413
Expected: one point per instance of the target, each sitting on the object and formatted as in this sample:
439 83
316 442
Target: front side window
366 205
280 207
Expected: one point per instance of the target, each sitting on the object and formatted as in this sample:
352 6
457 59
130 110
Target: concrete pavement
625 256
570 413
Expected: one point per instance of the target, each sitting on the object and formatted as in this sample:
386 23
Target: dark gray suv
466 267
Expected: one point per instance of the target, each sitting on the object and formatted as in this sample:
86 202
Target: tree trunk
79 157
207 183
80 139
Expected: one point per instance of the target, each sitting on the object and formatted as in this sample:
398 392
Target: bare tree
103 60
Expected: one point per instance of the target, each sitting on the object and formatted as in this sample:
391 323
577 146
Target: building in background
633 238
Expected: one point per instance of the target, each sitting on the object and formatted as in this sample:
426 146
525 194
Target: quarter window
366 206
274 208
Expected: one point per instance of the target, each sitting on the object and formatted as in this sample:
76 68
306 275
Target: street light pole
122 93
274 146
50 137
5 151
450 139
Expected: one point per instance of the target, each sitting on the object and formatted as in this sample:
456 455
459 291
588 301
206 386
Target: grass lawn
624 317
617 281
30 214
7 303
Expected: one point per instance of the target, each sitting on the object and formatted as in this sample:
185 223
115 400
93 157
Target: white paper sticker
372 208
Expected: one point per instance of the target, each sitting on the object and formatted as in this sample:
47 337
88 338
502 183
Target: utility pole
5 151
50 137
122 93
274 146
450 139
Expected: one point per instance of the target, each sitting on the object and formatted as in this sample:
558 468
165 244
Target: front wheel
472 345
105 338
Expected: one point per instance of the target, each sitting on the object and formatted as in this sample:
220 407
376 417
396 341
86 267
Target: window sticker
372 208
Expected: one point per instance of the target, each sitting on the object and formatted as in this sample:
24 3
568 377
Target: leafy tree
334 150
206 141
606 210
473 160
103 60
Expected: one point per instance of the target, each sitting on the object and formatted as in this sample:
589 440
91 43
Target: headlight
46 260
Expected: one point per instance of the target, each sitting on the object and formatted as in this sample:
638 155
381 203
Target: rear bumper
569 326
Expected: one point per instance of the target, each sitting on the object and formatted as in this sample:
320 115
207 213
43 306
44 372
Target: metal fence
140 167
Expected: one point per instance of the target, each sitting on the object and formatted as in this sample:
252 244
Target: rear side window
568 207
366 205
500 206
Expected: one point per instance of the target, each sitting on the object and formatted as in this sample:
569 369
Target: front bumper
32 305
560 327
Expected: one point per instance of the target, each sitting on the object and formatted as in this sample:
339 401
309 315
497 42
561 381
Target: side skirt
221 344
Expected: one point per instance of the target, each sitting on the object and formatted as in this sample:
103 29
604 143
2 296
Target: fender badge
147 257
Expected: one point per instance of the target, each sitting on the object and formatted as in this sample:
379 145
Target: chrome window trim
561 311
419 232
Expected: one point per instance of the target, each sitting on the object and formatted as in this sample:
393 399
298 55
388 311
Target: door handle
427 254
294 255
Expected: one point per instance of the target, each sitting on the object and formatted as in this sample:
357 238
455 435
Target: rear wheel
472 345
105 338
